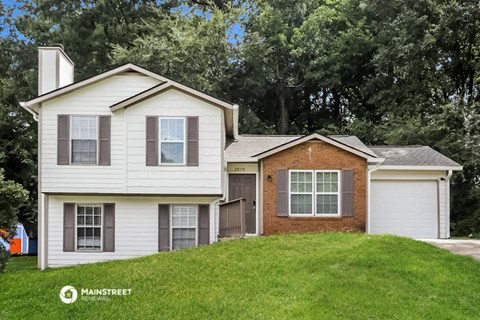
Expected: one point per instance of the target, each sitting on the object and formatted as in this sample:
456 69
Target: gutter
369 187
447 182
33 113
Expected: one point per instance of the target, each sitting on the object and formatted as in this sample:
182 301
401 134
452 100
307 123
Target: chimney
55 69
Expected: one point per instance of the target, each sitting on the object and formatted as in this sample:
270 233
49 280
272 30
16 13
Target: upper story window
84 139
314 193
172 140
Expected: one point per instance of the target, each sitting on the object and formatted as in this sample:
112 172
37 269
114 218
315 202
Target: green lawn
18 264
314 276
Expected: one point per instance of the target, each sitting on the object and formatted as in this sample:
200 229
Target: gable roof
231 110
245 147
414 156
250 148
315 136
352 141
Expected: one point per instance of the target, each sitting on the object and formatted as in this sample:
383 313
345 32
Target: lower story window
314 192
184 227
89 227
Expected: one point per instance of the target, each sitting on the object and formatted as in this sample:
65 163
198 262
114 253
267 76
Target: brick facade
314 155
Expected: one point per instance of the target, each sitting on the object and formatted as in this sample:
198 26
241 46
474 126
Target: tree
190 46
12 196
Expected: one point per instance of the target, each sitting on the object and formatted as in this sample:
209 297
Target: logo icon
68 294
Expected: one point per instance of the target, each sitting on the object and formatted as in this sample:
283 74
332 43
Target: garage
405 208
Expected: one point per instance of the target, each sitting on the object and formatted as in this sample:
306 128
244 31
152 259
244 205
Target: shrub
4 255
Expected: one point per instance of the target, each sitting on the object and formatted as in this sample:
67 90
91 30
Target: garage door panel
405 208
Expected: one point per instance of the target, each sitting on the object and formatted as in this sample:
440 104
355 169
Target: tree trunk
283 97
283 114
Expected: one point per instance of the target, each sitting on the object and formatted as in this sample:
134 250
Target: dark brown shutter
109 227
68 227
63 143
104 141
192 141
163 227
152 141
282 193
347 193
203 224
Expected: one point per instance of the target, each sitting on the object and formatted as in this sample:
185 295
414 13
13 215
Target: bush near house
310 276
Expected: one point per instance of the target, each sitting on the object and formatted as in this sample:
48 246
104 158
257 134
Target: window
84 139
172 140
184 227
314 193
89 227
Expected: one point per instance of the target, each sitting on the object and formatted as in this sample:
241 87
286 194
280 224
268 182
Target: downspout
369 184
447 187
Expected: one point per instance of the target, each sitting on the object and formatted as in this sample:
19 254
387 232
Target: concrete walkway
461 247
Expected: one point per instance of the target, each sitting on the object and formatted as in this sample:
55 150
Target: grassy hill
314 276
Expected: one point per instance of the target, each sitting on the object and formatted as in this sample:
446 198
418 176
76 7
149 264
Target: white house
131 163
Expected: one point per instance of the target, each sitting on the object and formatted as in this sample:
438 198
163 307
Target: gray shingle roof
412 156
352 141
248 146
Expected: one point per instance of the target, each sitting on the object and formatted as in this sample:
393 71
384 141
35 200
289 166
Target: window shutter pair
152 141
164 226
63 140
346 191
108 229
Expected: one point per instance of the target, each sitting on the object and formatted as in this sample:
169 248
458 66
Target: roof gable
124 68
230 110
370 157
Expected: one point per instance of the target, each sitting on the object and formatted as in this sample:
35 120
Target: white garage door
404 208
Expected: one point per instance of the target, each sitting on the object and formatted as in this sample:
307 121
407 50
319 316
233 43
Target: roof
246 147
352 141
250 148
231 110
254 147
413 156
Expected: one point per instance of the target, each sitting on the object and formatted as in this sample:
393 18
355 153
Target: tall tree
189 45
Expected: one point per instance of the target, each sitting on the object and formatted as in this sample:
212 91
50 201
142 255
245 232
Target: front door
244 186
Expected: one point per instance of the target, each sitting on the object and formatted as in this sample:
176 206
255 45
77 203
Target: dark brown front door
243 186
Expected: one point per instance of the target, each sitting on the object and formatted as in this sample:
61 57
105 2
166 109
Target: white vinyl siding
136 226
205 178
94 99
128 172
314 192
184 221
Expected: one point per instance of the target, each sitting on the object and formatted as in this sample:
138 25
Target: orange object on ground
16 245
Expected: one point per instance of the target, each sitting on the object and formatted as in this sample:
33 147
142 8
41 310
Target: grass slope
314 276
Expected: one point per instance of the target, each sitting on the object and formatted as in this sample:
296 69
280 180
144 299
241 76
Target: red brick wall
314 155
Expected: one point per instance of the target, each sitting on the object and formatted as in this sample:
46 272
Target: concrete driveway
461 247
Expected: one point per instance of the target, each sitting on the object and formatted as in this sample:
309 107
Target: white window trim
160 163
171 227
314 194
70 138
101 226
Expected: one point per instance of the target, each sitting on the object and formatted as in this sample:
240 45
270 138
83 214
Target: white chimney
55 69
